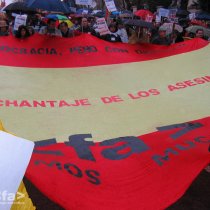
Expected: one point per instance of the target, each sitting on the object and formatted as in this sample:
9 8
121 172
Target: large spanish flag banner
116 126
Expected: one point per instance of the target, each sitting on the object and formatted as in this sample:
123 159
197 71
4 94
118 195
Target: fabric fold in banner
82 51
146 172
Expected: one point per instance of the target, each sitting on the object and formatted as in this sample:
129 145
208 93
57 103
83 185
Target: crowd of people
118 31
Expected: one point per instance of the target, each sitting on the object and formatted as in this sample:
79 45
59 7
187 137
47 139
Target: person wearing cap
3 28
161 39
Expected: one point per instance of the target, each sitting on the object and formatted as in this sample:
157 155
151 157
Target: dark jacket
161 41
113 37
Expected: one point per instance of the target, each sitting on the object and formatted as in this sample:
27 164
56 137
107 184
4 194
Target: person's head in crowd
84 22
50 29
113 28
65 30
31 30
162 32
63 26
76 22
120 24
51 24
176 37
22 32
146 6
189 34
38 16
199 33
92 21
29 21
89 24
3 28
114 21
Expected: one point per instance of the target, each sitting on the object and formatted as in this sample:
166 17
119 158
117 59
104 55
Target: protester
76 25
162 39
50 29
122 32
176 37
65 31
189 35
92 22
85 27
3 28
154 31
118 32
37 22
113 35
31 30
200 34
22 32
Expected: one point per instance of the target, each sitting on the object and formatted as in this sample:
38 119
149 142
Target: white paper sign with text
102 26
84 2
15 154
20 20
110 5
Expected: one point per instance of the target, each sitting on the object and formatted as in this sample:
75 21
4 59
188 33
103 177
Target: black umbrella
140 23
19 7
182 13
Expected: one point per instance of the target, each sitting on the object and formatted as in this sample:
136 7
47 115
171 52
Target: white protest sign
172 13
14 14
94 4
157 19
110 5
174 20
84 2
163 12
102 26
192 16
20 20
15 154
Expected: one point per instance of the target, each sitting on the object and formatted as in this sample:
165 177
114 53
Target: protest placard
163 12
20 20
84 2
102 26
192 16
110 5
